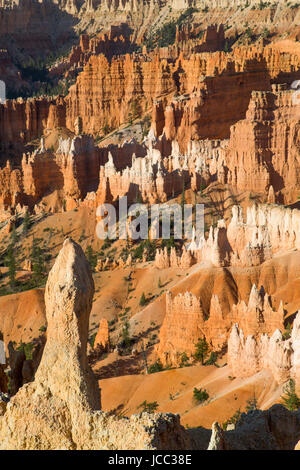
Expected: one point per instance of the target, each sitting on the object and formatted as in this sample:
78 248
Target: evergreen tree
125 334
211 361
251 404
290 400
155 367
38 263
201 350
91 257
184 359
183 198
148 407
143 300
12 266
26 222
14 236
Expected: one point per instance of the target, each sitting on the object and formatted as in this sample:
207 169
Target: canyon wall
24 120
184 93
263 148
185 323
251 353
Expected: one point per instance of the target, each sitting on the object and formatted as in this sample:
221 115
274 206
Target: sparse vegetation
211 361
251 404
26 223
200 395
148 407
27 348
184 359
201 350
290 398
125 334
91 257
233 420
12 266
166 35
143 300
155 367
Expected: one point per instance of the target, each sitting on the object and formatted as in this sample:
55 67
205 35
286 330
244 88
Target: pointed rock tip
70 270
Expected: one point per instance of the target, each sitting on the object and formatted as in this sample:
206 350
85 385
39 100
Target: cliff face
108 93
206 80
248 354
73 169
22 121
117 40
185 322
263 148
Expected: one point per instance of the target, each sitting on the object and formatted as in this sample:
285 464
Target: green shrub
92 339
155 367
184 359
27 348
288 331
211 361
125 334
200 395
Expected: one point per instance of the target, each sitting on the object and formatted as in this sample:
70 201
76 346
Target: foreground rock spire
68 298
61 408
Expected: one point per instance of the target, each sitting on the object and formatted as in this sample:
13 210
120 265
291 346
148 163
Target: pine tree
26 222
38 263
251 404
183 197
201 350
12 267
125 334
290 400
143 300
148 407
91 257
14 236
134 112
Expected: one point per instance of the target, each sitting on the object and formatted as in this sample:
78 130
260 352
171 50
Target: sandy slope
173 390
21 315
